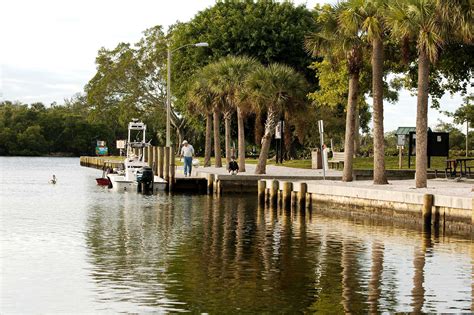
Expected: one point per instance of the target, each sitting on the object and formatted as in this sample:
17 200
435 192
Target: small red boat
103 181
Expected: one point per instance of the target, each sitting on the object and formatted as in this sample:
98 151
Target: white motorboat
135 170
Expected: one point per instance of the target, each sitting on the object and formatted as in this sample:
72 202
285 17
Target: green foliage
37 130
266 30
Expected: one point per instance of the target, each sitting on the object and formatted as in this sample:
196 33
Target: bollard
210 183
286 194
426 210
275 187
167 165
262 186
161 161
302 195
172 169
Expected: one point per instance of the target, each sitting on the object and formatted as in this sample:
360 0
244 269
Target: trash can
316 161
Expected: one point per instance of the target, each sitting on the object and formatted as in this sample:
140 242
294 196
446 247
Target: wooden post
155 160
472 219
172 168
145 154
218 187
302 195
161 161
400 157
274 192
210 183
167 164
150 156
286 194
426 210
262 186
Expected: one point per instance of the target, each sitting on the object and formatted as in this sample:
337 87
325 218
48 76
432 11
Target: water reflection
227 255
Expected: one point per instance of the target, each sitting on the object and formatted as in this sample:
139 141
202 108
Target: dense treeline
40 130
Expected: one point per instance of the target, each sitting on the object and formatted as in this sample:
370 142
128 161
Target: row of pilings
160 159
289 196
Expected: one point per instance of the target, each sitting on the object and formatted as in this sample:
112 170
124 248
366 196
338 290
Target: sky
49 47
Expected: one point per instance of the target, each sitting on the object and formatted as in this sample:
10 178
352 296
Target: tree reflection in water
227 254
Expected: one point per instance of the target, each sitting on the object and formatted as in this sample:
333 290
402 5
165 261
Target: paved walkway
271 170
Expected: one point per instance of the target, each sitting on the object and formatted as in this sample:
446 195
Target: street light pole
168 89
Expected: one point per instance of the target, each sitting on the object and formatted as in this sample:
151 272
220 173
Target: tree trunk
356 131
258 127
422 121
241 140
217 142
208 148
350 126
272 120
377 91
227 117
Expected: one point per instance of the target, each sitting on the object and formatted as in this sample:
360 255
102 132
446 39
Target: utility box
316 160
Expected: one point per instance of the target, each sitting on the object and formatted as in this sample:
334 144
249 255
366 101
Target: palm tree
274 89
209 72
203 99
369 15
338 40
230 77
430 24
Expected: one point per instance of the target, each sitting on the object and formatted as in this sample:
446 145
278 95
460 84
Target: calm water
76 247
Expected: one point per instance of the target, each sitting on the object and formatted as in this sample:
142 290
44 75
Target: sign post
279 129
321 135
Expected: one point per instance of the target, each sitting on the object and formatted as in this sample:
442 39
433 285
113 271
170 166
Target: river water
75 247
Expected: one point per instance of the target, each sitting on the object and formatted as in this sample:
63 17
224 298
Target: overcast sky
49 46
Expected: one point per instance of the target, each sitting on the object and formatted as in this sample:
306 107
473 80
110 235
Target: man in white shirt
187 152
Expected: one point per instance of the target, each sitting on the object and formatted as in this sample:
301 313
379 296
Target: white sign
121 144
278 130
400 140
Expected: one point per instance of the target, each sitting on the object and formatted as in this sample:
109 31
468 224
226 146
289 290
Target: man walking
187 152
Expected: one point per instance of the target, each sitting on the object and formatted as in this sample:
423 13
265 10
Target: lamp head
204 44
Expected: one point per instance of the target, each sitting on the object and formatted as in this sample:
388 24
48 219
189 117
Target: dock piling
172 168
262 187
286 194
161 161
167 165
302 195
210 183
274 192
426 210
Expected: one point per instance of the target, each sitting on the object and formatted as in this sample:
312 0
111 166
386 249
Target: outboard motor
145 180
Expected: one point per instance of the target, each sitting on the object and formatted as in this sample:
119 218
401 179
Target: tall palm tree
230 77
275 89
369 16
209 72
430 24
337 40
203 100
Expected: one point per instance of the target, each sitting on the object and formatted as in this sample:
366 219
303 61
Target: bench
336 160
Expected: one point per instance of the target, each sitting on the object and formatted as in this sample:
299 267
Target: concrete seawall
451 207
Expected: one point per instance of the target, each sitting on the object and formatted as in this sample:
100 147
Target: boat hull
119 183
101 181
